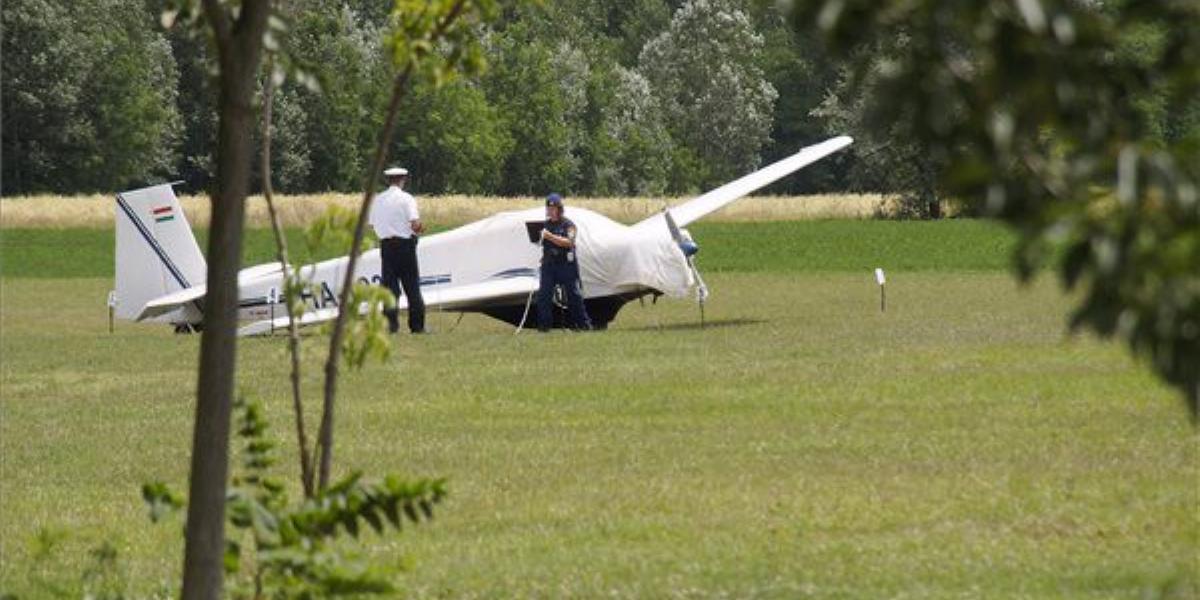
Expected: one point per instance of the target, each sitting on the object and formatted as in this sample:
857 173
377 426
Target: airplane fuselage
493 249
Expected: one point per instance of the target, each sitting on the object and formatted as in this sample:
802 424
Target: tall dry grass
97 211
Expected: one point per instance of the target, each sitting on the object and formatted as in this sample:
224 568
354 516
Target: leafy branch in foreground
276 549
1077 123
104 576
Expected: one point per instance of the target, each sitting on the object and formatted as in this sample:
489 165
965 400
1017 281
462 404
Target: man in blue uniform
560 268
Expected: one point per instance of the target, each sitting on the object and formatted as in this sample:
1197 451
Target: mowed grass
802 445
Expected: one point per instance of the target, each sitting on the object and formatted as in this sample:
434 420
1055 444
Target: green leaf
350 523
372 518
391 509
233 557
411 510
160 499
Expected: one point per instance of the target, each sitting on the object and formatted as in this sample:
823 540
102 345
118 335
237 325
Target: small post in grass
272 298
882 281
112 307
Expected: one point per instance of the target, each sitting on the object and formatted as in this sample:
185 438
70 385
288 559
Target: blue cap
554 200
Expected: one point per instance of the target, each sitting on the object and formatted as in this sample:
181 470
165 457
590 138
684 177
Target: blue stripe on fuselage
435 279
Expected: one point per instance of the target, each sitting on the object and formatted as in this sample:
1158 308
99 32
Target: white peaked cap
395 172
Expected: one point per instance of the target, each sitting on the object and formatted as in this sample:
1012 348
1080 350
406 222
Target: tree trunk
210 445
929 189
239 46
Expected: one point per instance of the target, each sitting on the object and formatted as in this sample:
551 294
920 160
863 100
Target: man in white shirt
397 223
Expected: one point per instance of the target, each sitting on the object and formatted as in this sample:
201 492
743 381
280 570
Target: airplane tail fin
157 253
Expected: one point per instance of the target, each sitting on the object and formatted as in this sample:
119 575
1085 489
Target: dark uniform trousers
566 274
400 269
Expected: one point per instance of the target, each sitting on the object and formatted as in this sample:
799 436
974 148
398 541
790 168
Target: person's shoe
543 330
421 332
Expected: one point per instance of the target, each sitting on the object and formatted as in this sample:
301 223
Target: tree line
608 97
599 98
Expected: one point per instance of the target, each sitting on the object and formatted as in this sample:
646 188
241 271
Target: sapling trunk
281 254
399 87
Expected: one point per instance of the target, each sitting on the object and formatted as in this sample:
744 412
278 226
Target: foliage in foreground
1076 123
276 549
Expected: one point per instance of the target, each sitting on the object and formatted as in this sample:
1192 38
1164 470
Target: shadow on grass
695 325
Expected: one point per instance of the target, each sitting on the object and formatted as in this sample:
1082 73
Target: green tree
346 58
540 88
1058 118
887 156
452 139
611 32
634 133
197 103
634 23
718 104
802 72
89 97
292 156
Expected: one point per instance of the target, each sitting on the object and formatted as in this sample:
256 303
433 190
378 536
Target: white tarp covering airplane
489 266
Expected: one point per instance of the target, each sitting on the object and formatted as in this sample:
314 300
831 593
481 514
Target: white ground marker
881 279
112 307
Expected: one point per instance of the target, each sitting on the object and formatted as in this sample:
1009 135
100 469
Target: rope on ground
525 315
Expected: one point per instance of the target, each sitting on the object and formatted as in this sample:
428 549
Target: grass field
779 246
803 445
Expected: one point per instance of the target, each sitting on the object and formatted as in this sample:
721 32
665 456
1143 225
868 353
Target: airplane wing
460 298
693 210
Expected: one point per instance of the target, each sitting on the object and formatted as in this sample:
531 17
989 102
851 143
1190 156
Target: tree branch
281 254
325 433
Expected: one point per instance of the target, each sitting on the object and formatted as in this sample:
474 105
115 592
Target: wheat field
299 210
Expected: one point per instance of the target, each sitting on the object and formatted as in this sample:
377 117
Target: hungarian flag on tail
163 214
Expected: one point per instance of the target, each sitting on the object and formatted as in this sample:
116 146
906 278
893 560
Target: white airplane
489 266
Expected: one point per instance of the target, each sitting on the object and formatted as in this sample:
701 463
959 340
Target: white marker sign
112 308
879 277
